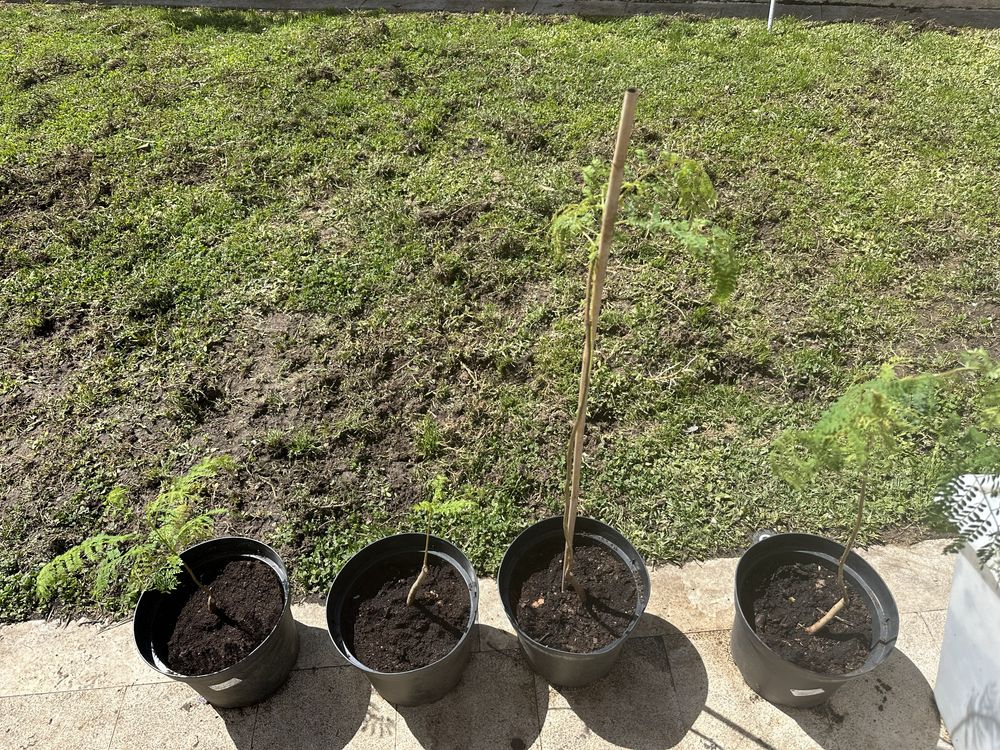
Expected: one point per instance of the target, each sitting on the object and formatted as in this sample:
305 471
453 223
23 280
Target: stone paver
975 13
919 576
634 706
315 647
40 657
714 704
494 631
492 706
889 709
81 719
931 657
920 644
83 686
169 715
693 598
325 708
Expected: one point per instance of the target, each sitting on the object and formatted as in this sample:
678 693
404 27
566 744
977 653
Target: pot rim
641 595
803 537
473 586
280 571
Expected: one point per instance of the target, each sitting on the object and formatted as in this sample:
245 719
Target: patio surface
81 686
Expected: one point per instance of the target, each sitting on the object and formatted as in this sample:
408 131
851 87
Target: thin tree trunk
592 313
424 570
212 606
842 602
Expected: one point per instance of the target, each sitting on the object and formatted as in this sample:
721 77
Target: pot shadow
650 699
493 705
317 707
890 708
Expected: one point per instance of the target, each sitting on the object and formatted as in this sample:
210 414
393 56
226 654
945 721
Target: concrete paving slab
918 575
81 720
976 13
495 632
927 655
890 708
714 705
634 706
173 715
451 6
40 657
333 707
916 642
65 685
564 730
492 706
315 647
693 598
586 8
726 8
275 5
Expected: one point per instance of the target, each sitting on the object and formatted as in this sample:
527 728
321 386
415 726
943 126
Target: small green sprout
434 508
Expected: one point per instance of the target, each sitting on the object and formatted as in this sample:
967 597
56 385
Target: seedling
434 508
872 422
673 182
133 562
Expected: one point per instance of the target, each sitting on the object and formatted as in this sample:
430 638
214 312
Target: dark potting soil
247 600
386 635
793 596
558 618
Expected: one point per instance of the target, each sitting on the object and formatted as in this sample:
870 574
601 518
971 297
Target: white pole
770 15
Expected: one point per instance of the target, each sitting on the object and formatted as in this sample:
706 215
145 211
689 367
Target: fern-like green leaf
122 565
61 570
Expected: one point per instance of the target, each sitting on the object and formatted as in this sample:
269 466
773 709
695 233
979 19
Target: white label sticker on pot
229 683
804 693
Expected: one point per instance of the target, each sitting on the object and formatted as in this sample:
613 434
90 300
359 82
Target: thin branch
212 606
842 602
825 619
424 569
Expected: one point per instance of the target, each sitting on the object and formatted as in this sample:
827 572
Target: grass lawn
317 244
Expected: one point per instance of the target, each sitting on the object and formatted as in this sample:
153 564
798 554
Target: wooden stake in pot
592 311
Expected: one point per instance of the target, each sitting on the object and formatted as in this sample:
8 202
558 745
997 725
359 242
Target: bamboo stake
592 312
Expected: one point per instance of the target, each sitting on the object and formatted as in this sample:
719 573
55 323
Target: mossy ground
317 243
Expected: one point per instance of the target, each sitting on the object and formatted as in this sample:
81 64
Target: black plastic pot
566 668
260 672
775 679
430 682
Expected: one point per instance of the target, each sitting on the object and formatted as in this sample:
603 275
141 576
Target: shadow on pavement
321 707
646 702
888 709
492 706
